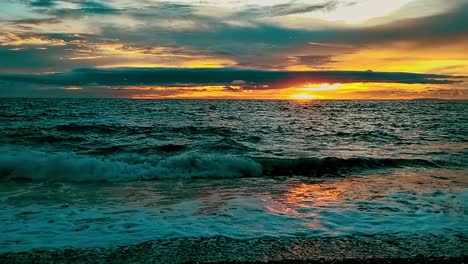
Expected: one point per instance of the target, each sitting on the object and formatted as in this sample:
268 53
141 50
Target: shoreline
264 250
413 260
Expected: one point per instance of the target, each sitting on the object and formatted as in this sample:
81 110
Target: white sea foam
78 225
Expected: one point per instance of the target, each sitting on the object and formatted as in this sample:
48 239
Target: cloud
244 35
42 3
70 8
436 28
270 45
245 78
285 9
312 61
85 8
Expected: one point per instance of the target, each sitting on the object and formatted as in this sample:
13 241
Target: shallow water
86 173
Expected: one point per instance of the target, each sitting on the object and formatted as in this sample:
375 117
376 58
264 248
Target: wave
170 147
369 136
88 128
332 165
38 137
38 166
226 144
131 130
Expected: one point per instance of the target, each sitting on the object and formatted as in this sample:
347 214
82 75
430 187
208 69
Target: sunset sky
258 49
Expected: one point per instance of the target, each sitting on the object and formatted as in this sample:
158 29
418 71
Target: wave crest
37 165
332 165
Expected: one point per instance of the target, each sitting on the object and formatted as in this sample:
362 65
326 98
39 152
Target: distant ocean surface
81 173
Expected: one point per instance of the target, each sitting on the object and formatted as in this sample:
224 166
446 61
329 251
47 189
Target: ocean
87 174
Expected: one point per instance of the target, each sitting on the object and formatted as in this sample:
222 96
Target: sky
234 49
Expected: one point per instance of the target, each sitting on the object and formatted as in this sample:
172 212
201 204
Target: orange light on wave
304 195
304 201
313 195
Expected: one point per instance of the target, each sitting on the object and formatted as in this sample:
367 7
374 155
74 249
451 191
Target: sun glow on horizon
303 96
321 87
304 93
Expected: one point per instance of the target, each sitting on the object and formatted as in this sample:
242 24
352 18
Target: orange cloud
11 39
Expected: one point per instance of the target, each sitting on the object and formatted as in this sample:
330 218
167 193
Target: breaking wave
39 166
36 165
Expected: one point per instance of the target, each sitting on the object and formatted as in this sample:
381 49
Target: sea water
96 173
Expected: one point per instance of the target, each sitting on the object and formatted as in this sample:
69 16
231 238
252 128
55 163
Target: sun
309 91
303 96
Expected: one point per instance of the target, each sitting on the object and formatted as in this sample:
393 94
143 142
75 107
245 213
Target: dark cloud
35 21
85 7
42 3
14 89
186 77
285 9
312 60
249 46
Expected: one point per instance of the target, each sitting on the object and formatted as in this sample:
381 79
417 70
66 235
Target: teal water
78 173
